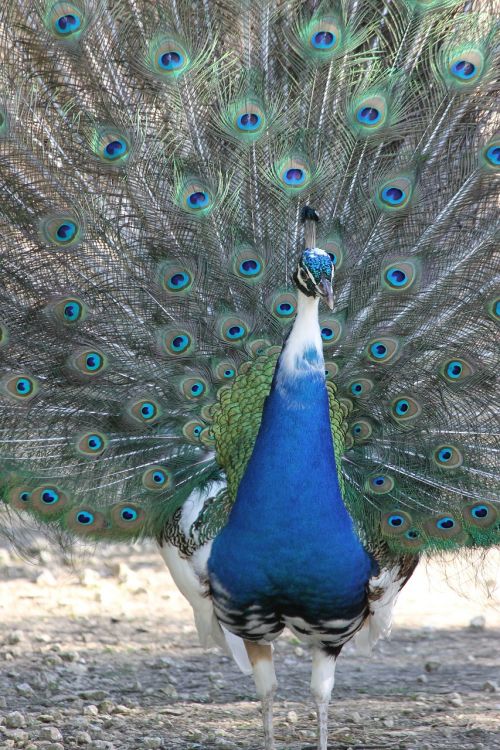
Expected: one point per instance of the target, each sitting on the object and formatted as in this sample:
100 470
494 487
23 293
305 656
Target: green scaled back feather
154 161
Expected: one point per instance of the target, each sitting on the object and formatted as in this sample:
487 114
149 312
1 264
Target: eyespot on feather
481 514
258 347
195 197
65 21
192 430
144 411
444 526
394 195
395 523
361 430
85 521
91 444
283 306
493 308
224 370
111 146
331 328
19 497
87 363
233 329
333 245
368 114
331 369
61 231
175 279
167 57
405 408
383 350
244 120
489 155
157 479
359 387
194 388
19 387
465 68
176 342
68 311
320 39
248 265
400 276
293 174
49 500
447 457
411 539
379 484
456 370
128 517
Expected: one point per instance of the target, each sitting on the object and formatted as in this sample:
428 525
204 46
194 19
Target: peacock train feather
152 186
155 163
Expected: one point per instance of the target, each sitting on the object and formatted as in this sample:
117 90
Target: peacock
250 300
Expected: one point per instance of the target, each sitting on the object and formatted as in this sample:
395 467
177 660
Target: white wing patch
378 623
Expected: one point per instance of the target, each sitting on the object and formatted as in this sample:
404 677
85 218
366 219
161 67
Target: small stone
455 699
170 691
94 695
89 577
106 707
15 637
432 665
46 578
389 723
120 709
101 745
299 651
83 738
477 623
14 720
3 701
51 733
69 655
19 735
292 717
490 687
90 710
153 742
25 690
50 746
422 679
356 717
426 746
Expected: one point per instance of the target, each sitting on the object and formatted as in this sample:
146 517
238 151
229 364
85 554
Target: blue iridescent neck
293 461
289 536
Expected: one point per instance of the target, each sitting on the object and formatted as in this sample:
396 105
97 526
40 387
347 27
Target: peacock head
314 275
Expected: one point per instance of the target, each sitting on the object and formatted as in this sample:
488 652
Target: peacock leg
322 679
261 659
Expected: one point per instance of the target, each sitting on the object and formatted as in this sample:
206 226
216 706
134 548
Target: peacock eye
170 60
249 121
368 115
463 69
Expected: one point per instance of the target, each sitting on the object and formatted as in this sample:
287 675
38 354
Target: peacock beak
325 289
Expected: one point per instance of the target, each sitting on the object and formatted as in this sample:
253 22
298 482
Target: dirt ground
106 657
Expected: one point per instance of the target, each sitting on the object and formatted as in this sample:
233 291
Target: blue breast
289 540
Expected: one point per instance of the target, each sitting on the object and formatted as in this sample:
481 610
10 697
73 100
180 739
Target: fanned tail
154 163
